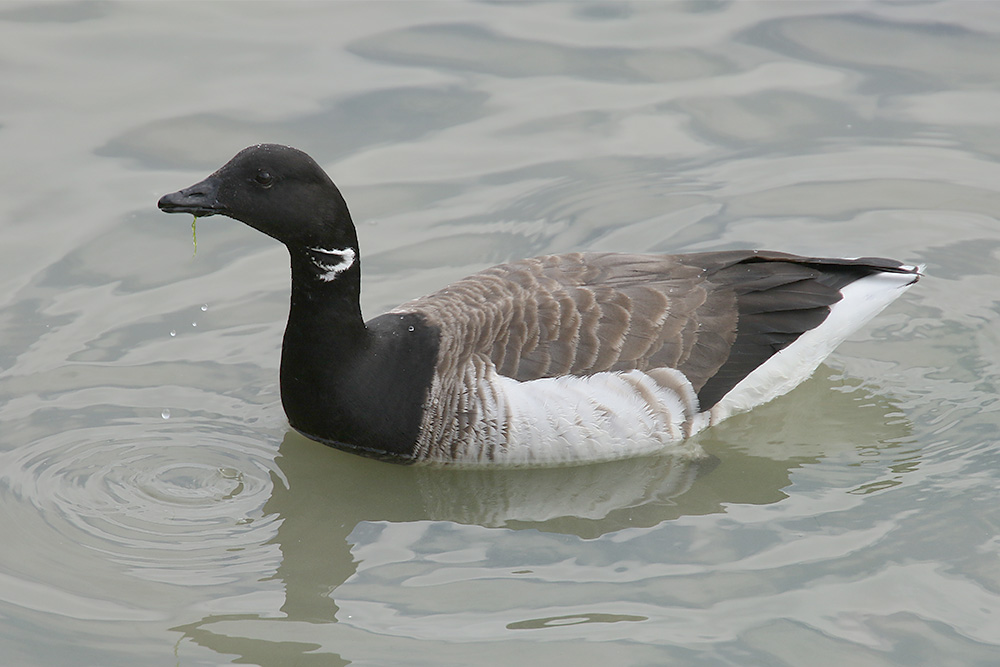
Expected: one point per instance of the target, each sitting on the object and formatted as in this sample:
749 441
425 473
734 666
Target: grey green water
156 510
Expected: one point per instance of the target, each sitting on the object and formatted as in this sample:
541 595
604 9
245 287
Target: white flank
343 260
571 419
862 300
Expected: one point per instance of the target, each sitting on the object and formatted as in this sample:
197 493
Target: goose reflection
335 508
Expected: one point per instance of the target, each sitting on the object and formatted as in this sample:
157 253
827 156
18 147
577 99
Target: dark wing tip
780 297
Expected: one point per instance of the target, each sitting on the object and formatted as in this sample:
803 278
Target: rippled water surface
155 509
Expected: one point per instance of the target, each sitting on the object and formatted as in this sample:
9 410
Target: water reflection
362 541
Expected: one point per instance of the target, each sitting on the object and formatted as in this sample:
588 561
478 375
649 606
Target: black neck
320 305
325 331
346 383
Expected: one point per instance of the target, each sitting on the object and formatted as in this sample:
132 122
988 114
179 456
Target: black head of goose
552 360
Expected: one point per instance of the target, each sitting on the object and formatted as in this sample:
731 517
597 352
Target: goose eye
264 178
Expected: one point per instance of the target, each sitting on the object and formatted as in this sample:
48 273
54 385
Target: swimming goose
553 360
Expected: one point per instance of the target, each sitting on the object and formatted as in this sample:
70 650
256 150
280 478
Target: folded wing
713 316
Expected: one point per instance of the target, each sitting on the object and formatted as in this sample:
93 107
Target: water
156 509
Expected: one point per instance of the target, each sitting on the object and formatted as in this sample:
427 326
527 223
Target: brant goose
553 360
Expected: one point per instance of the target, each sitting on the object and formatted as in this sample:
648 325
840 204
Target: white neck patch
332 262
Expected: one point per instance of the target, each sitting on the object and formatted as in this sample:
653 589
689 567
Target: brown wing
713 316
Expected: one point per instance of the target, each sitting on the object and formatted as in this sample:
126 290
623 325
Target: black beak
201 199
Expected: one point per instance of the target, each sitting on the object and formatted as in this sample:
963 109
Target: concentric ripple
169 503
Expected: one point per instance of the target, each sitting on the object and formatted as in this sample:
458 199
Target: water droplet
204 307
194 324
410 327
165 414
173 333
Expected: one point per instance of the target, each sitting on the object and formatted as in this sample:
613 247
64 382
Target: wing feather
713 316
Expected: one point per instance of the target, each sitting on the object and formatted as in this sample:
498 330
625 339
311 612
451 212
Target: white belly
566 420
600 417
